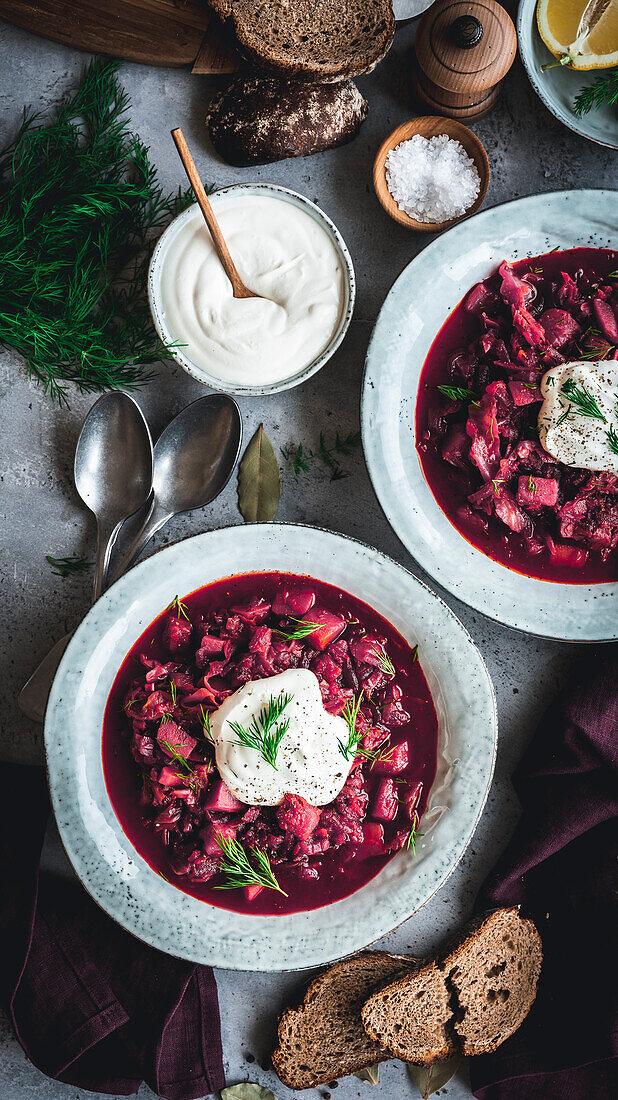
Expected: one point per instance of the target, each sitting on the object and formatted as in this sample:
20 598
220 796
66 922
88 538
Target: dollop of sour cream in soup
578 420
309 761
282 253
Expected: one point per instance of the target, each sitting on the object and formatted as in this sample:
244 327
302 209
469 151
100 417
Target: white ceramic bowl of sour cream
286 249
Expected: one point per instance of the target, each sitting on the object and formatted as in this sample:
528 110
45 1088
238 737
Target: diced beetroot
210 832
219 797
606 316
482 427
251 892
210 646
560 328
260 642
253 613
412 799
508 511
176 633
294 602
563 554
374 736
397 761
537 492
329 627
524 393
156 705
173 739
385 802
170 778
325 668
373 840
297 816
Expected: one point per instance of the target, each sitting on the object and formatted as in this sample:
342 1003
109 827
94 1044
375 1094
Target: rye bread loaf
471 1000
257 120
324 40
323 1038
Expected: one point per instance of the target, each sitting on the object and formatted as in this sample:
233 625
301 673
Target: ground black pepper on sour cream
309 760
283 253
578 420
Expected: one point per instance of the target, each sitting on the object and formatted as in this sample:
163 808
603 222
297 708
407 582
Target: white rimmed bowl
180 354
413 313
159 913
557 87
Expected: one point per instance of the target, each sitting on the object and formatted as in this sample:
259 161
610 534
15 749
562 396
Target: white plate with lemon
584 37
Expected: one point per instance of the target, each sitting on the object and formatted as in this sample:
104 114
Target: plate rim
367 431
328 955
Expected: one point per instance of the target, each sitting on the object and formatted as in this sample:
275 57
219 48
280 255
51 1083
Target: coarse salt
432 179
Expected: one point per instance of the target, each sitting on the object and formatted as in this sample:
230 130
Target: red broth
451 486
330 875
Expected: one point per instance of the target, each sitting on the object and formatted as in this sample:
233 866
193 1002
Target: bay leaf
371 1075
259 480
247 1090
428 1079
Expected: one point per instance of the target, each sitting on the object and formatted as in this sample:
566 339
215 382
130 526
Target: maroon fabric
90 1004
561 867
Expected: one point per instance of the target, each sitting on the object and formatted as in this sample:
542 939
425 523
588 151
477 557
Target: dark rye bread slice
257 120
322 40
472 1000
323 1038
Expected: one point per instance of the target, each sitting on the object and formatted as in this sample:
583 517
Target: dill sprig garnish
604 89
386 665
179 607
350 714
205 716
79 203
594 345
66 567
266 732
375 756
458 393
302 630
413 835
238 869
583 401
300 459
612 439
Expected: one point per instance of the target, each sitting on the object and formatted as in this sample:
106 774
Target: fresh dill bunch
79 204
604 89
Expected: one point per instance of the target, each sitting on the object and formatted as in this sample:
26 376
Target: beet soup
159 756
478 442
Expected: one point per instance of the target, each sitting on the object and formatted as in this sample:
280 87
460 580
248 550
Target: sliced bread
323 40
472 1000
257 120
323 1038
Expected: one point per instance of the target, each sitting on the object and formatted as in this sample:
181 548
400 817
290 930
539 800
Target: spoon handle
239 289
154 519
106 537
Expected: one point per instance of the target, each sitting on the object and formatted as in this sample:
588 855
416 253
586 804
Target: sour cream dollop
309 760
282 253
573 438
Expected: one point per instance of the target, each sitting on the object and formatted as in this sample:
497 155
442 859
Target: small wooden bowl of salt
437 179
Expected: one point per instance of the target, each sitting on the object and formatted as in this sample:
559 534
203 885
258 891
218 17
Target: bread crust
259 120
439 1054
324 72
314 990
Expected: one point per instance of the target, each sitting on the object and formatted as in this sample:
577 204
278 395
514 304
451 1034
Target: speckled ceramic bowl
558 87
218 199
415 309
161 914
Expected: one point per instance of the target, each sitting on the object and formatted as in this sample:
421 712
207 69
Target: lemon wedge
582 34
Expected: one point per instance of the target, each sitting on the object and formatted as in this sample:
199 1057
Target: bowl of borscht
267 746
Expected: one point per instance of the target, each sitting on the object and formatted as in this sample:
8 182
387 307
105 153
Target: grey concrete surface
40 512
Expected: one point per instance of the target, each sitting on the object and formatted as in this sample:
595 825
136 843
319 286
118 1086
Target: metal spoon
193 461
113 476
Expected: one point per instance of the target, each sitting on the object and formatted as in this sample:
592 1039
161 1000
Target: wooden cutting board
155 32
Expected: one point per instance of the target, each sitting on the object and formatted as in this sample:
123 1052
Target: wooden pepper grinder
463 52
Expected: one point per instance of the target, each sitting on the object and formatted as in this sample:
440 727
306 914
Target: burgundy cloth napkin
90 1004
561 867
